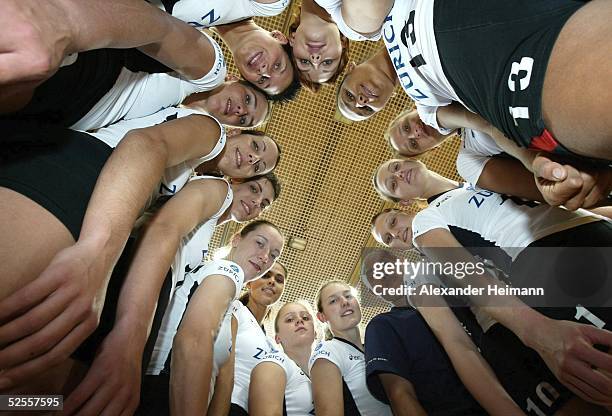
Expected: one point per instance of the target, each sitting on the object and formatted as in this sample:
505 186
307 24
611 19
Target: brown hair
244 299
319 302
344 58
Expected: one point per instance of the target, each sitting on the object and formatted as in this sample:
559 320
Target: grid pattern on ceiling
326 169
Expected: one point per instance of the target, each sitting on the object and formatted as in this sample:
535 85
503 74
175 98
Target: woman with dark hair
408 368
252 344
175 240
241 155
318 48
85 206
184 350
439 343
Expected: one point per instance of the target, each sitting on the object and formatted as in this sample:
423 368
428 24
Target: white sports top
298 390
334 8
193 248
175 177
350 361
139 94
476 149
251 346
505 221
207 13
408 32
160 359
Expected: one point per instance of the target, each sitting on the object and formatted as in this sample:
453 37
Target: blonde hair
387 133
300 302
379 191
395 152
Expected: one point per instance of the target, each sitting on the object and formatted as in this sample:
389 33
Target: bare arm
402 396
38 35
566 347
185 49
556 183
509 176
192 349
196 202
472 369
365 16
455 116
327 388
222 397
123 187
267 390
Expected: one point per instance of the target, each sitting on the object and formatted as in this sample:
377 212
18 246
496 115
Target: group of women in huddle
118 163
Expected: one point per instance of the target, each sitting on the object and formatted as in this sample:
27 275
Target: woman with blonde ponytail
337 366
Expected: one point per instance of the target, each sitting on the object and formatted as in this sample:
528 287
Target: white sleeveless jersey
175 177
139 94
350 361
298 390
160 359
476 149
334 8
193 248
207 13
252 345
408 33
221 349
507 222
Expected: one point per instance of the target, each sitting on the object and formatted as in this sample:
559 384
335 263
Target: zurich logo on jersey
235 268
318 347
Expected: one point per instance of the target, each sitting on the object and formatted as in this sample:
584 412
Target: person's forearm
114 24
525 156
186 50
123 187
222 397
481 382
456 116
190 374
509 176
152 259
365 16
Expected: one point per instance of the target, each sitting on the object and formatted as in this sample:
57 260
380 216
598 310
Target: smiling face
317 49
256 251
238 105
250 199
294 326
261 59
402 179
393 229
247 155
269 288
409 136
340 307
365 91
